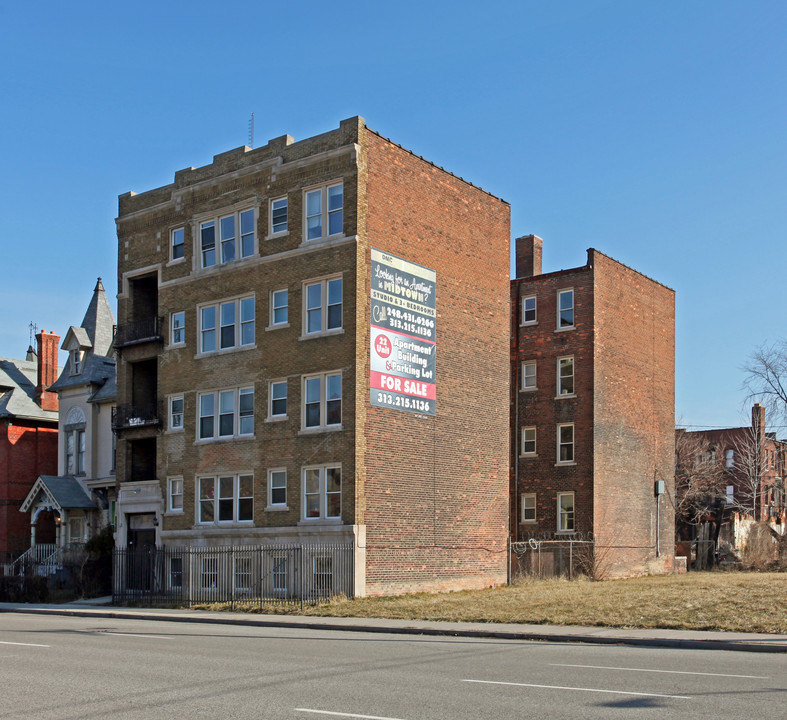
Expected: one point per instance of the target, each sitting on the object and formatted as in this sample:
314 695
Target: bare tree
750 462
700 480
766 378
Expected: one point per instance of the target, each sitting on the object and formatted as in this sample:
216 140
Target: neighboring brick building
28 436
593 397
312 346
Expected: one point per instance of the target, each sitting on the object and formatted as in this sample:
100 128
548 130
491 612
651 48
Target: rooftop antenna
33 331
251 131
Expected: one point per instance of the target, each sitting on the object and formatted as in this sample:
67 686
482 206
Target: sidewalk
690 639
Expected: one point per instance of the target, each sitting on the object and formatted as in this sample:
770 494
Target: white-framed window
177 328
235 237
322 306
529 375
242 571
280 313
729 458
528 441
76 529
279 574
322 492
527 504
226 414
322 401
278 216
227 324
177 243
76 361
176 413
226 498
565 512
565 376
75 452
565 443
80 452
175 495
322 574
70 456
209 572
730 495
529 316
277 399
277 488
323 209
565 308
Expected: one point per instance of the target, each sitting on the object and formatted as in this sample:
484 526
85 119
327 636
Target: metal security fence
568 557
263 574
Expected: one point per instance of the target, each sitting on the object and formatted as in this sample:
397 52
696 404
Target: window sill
567 396
565 329
528 455
223 439
323 240
176 261
278 326
528 390
324 333
276 418
225 351
174 513
276 508
175 346
565 532
174 431
528 522
226 524
528 324
321 429
566 464
277 235
320 521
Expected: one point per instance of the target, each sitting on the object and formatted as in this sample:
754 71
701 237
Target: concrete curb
694 640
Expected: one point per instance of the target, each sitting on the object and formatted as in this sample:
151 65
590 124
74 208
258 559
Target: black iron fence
137 415
135 331
263 575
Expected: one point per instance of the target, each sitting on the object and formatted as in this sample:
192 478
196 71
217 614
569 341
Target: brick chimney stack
528 256
758 421
48 344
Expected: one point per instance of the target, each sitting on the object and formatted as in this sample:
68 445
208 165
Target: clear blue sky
654 132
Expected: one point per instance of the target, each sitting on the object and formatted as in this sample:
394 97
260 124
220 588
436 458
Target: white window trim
323 493
573 325
238 346
216 218
573 513
522 321
170 495
522 387
324 330
522 518
323 378
272 324
559 395
522 452
573 445
277 233
236 498
170 426
278 418
173 260
271 506
324 219
237 435
172 342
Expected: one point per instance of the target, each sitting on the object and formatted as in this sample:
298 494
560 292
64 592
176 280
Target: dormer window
76 362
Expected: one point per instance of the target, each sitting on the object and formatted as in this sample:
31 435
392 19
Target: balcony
139 331
135 416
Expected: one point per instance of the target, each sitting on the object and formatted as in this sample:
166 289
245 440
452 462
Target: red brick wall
433 491
26 451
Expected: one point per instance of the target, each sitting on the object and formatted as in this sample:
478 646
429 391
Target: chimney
47 369
528 256
758 420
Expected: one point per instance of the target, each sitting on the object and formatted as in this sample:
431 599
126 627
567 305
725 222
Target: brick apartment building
593 409
28 436
312 346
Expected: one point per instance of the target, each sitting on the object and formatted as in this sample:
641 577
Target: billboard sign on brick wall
403 334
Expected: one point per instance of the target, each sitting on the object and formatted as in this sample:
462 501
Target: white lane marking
155 637
671 672
347 715
597 690
23 644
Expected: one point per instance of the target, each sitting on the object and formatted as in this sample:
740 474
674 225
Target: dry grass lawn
753 602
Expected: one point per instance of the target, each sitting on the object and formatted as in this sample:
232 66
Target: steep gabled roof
98 320
18 391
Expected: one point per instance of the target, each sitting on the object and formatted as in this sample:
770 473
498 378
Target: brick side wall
435 495
634 410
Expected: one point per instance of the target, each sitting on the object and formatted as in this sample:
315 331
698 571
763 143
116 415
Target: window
177 243
209 575
277 395
322 574
528 310
76 530
235 416
528 441
176 413
80 452
175 503
565 512
730 498
243 572
529 375
322 400
176 572
565 300
279 574
322 492
235 325
565 376
323 208
76 361
227 498
279 307
565 443
528 505
730 459
277 487
236 237
278 216
178 330
70 466
322 306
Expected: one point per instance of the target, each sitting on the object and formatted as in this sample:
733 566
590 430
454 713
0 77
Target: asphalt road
84 668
